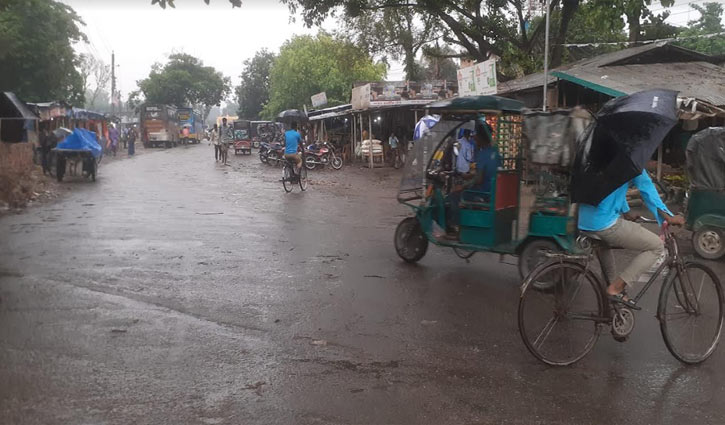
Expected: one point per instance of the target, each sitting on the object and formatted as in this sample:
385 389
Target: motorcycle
321 155
273 154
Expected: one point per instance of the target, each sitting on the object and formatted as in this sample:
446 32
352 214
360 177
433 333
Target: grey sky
222 37
141 34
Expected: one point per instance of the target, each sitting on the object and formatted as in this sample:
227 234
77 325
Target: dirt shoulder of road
33 188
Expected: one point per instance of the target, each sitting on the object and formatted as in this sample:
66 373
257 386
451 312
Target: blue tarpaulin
82 139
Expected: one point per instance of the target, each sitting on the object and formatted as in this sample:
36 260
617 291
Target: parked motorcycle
271 153
319 155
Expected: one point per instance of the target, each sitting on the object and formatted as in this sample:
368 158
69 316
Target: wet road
176 290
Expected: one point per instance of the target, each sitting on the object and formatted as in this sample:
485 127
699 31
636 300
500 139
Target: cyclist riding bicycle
613 223
292 139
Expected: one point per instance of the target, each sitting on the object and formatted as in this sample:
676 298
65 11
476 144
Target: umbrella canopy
424 125
61 133
292 115
618 144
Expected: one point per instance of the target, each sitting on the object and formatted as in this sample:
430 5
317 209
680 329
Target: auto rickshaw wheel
532 256
411 243
709 242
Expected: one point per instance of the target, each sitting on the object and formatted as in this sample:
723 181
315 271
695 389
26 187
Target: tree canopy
185 81
37 60
307 65
710 22
253 91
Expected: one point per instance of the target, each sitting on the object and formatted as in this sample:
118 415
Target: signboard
319 99
361 97
388 93
478 80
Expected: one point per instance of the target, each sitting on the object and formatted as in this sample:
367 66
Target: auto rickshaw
493 222
242 137
706 204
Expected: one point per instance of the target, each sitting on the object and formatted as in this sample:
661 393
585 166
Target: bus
159 126
190 126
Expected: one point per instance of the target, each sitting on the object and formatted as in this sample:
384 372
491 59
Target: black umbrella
617 145
292 115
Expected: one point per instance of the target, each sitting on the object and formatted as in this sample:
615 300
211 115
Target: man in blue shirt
487 163
612 222
465 153
292 140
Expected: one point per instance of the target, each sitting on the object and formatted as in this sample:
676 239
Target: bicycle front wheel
691 313
561 324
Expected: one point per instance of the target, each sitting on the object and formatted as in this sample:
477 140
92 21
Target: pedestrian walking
113 137
131 136
215 141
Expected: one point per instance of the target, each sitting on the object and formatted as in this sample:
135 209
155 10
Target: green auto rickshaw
706 204
511 219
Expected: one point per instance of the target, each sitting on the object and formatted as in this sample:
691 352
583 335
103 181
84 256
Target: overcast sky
141 34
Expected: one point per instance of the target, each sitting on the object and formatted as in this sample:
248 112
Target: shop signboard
478 80
319 99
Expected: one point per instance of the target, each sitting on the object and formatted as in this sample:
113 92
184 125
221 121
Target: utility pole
113 81
546 55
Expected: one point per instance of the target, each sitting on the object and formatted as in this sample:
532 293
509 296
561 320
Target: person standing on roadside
131 137
215 141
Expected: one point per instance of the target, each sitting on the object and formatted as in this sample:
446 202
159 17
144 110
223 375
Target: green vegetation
185 81
307 65
37 60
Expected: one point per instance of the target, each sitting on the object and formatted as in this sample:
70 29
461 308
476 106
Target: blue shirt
604 215
487 162
291 141
465 155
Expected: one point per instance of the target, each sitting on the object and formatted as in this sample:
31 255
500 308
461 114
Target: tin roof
655 65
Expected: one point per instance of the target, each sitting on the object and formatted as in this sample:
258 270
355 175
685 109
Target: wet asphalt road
176 290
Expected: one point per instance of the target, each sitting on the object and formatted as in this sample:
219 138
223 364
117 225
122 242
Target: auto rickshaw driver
475 185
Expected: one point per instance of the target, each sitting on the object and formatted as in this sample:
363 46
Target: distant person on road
113 137
131 137
292 139
215 141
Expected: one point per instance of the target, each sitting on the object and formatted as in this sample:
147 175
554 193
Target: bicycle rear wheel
691 313
561 324
302 178
287 178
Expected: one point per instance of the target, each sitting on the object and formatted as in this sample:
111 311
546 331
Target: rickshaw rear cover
706 159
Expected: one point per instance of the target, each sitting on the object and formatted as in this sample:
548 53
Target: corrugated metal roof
655 65
701 80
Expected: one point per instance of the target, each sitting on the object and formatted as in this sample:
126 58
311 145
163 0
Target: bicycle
289 177
690 292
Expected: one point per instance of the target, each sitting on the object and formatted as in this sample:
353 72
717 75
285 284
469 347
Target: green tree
37 60
185 81
398 32
95 77
253 91
709 22
311 64
437 63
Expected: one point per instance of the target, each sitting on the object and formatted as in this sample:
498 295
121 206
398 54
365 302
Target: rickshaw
242 137
490 224
706 205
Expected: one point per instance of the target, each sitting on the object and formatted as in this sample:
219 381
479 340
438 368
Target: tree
437 63
253 91
185 81
134 101
37 60
95 76
399 32
311 64
709 22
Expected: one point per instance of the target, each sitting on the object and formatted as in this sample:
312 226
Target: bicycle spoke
547 329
